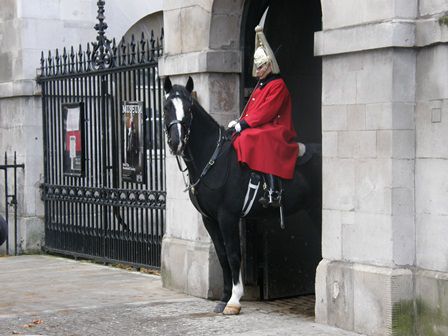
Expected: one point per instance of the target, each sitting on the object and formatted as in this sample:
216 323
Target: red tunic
268 145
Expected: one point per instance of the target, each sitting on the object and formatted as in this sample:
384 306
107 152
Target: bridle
187 129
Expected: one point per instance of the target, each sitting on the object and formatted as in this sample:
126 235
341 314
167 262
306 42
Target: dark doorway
282 263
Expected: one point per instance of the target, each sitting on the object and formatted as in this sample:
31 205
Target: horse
218 183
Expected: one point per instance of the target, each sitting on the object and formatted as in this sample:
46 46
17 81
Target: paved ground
47 295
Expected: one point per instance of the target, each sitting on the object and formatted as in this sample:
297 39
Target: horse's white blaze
237 292
179 109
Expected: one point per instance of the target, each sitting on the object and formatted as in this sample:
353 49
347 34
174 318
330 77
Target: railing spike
142 49
57 61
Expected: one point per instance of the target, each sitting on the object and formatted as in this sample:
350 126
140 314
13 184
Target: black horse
218 183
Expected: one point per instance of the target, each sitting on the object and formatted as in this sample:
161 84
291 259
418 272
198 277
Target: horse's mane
204 114
198 107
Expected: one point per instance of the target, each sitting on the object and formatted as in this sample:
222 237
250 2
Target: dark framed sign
73 135
133 145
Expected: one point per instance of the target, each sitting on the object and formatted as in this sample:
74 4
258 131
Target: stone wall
213 60
383 108
28 27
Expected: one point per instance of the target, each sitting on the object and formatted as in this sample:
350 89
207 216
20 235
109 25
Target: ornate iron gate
104 158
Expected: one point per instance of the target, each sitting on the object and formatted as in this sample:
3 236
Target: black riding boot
272 195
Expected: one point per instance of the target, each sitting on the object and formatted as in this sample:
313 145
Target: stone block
186 224
403 76
431 129
431 185
331 235
356 117
225 31
431 302
338 181
366 299
339 13
340 300
330 144
192 20
173 37
6 89
371 36
430 31
6 67
174 4
377 68
395 115
357 144
429 7
224 94
50 32
402 173
46 9
200 62
403 201
397 144
175 184
76 34
10 41
191 267
339 80
334 117
31 234
432 70
82 10
372 186
431 246
404 237
8 10
368 240
379 294
321 305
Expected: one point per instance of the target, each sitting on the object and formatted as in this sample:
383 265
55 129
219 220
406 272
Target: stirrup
271 198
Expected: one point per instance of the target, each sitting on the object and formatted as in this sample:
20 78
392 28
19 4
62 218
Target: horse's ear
167 86
190 84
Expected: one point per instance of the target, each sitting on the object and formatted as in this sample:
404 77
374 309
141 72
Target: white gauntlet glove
232 123
237 127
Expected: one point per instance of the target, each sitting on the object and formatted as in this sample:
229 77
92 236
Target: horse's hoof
219 308
232 309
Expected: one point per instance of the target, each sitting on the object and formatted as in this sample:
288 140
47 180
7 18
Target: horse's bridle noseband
182 123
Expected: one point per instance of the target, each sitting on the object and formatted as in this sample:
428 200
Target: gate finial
101 55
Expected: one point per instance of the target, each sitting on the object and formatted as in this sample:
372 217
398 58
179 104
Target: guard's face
263 70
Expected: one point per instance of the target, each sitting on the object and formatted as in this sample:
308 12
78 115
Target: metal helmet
263 52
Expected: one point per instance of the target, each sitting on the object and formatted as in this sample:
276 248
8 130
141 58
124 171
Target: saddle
306 152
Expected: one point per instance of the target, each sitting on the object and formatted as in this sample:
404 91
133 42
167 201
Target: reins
209 164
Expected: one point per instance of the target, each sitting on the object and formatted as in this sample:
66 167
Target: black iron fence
10 201
104 156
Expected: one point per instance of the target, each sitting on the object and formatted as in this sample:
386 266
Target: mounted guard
219 185
265 141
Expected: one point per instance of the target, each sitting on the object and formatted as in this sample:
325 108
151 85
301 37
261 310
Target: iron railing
97 204
10 199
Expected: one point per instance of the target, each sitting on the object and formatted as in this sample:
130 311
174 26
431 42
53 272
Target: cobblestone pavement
47 295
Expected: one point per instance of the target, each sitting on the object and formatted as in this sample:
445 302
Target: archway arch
289 27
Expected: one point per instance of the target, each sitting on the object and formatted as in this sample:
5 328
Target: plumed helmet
263 52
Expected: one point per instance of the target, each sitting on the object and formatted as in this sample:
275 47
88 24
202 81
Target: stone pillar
431 180
193 48
365 280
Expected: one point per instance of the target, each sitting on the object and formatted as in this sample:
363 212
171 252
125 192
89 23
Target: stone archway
228 33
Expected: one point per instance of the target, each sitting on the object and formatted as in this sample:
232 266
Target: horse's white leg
233 305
